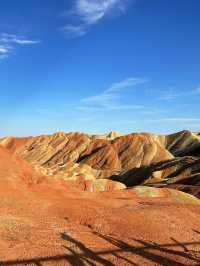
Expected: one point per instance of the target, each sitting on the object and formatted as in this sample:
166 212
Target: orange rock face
133 159
14 170
184 143
118 154
69 217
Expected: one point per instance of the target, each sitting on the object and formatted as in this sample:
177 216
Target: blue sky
96 66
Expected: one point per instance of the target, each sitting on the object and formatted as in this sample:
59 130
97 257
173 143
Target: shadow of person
197 232
86 254
147 250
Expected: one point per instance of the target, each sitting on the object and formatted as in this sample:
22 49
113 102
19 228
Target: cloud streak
73 31
172 94
9 42
169 94
109 99
91 12
4 51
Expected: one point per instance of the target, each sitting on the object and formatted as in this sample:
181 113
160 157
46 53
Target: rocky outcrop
54 218
81 182
189 189
124 152
134 159
110 136
184 143
13 143
184 170
171 195
15 170
106 156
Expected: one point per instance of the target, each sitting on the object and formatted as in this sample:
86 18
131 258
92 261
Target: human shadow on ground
156 253
119 253
198 232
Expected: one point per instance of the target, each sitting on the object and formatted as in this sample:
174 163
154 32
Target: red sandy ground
49 224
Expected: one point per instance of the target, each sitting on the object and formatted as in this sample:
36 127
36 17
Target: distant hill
133 159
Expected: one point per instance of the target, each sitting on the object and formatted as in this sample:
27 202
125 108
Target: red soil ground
46 223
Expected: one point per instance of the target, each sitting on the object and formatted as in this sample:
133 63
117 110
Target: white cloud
100 99
129 82
74 31
109 99
90 12
25 42
8 43
172 94
4 50
12 38
169 94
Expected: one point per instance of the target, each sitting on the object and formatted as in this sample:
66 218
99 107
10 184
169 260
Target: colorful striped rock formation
57 210
134 159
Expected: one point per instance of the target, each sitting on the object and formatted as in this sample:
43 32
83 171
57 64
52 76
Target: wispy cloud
173 94
73 31
12 38
169 94
129 82
4 51
91 12
9 42
109 99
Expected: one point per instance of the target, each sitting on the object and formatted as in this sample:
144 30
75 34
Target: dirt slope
47 221
52 225
15 170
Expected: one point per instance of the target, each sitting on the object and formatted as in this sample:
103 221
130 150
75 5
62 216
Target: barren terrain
56 209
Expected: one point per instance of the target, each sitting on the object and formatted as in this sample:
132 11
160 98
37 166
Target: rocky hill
133 159
62 150
52 211
184 143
